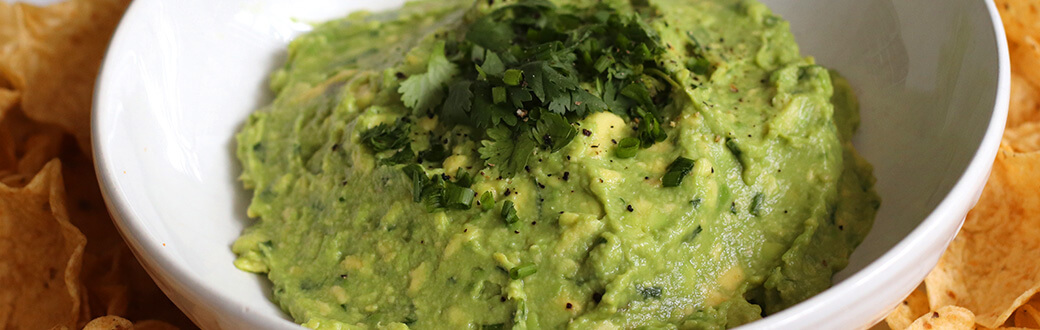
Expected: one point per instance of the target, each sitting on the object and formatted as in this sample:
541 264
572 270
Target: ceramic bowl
181 77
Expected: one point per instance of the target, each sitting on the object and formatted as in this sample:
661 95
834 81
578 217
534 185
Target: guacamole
552 164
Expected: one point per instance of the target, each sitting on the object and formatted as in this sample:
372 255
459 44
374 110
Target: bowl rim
165 271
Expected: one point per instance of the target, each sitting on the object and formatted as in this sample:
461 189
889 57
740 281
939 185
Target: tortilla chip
1024 137
1028 315
945 318
54 57
1025 102
109 322
25 146
153 325
40 255
990 267
915 305
8 99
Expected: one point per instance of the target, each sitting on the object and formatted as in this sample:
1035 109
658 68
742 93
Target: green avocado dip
580 164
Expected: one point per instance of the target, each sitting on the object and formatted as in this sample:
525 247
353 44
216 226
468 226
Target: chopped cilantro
423 92
553 132
507 150
384 137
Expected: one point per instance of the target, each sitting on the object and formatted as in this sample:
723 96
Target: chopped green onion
627 147
756 204
419 180
731 144
603 63
512 77
522 271
509 213
463 178
487 201
498 94
459 198
677 171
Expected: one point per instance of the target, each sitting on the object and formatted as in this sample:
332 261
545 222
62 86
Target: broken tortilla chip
984 268
946 318
915 305
40 255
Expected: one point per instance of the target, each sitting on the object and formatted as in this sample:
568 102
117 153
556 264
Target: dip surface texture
775 202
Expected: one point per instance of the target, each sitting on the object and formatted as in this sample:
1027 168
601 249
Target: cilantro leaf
506 150
402 156
553 132
490 34
493 65
383 137
459 101
423 92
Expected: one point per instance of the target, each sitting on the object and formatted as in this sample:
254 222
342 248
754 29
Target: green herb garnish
678 170
458 198
627 147
522 271
487 201
384 137
756 204
527 71
436 193
509 213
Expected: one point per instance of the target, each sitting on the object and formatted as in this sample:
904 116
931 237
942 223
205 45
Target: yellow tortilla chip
8 99
991 266
25 146
915 305
1024 137
40 255
1025 102
945 318
1028 315
54 57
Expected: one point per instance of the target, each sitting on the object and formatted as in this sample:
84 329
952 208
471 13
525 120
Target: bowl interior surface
179 80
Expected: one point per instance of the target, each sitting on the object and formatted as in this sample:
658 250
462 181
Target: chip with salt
985 269
40 255
946 318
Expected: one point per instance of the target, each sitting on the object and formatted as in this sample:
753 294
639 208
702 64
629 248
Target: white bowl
181 77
